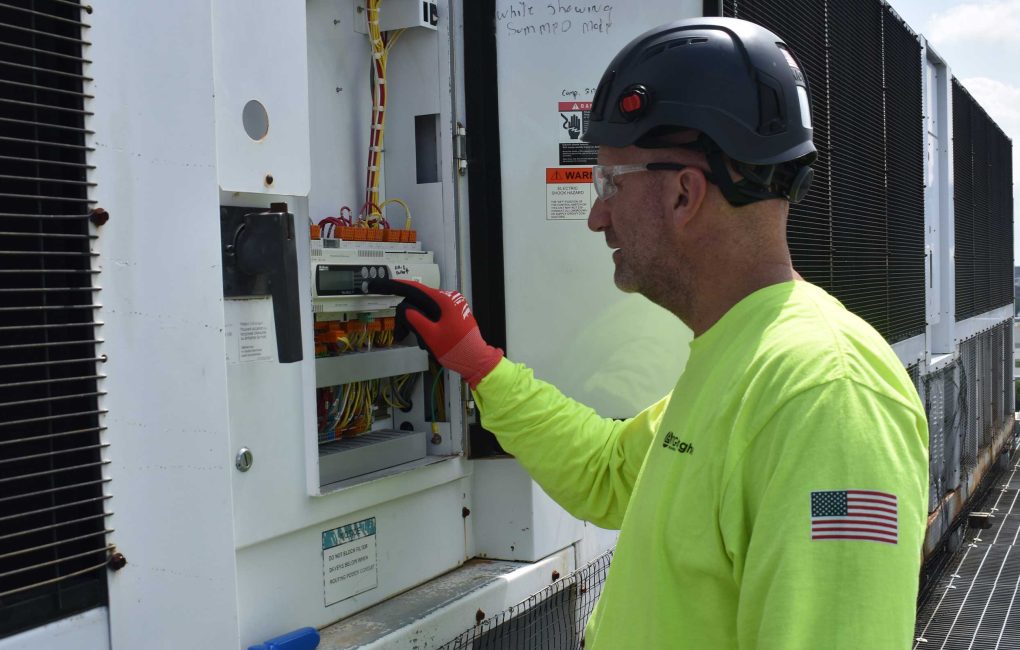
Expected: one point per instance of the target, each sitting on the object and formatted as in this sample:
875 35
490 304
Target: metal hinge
460 148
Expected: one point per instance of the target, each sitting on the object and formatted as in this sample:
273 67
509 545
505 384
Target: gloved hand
443 322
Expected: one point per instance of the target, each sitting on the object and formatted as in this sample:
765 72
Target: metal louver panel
984 380
998 358
983 193
860 237
951 427
904 150
53 547
968 404
934 402
810 222
860 232
1008 393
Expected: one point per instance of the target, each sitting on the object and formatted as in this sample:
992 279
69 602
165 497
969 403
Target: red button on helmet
633 102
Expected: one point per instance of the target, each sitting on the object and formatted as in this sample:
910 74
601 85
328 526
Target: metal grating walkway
975 604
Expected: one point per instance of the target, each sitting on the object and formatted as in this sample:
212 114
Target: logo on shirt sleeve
672 441
855 515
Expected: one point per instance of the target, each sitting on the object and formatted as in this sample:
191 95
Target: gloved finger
422 325
413 292
403 328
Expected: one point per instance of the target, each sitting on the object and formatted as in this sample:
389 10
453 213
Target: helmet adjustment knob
633 102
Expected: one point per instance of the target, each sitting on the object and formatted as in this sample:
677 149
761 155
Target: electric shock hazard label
349 561
569 193
574 117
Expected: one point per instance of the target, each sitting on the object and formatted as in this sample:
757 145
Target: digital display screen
336 279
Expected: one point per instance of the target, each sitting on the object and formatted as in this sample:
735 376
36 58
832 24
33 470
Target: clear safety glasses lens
602 177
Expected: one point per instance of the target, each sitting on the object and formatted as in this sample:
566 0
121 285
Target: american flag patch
854 514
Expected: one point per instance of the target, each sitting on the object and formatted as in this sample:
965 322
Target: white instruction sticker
250 330
349 562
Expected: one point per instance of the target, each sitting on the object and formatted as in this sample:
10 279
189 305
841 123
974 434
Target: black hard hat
735 82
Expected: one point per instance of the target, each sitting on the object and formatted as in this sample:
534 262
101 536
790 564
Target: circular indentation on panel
364 272
255 120
373 273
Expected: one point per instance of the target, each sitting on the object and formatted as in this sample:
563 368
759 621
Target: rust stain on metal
479 616
954 502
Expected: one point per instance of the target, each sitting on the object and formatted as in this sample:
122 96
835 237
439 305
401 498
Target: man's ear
687 190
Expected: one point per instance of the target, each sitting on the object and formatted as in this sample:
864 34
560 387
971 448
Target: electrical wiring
376 138
387 393
407 210
390 38
432 401
351 410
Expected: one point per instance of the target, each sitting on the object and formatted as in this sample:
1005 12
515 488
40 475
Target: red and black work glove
444 325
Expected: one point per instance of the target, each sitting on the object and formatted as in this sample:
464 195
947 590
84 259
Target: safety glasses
604 176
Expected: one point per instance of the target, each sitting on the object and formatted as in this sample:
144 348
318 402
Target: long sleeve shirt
775 499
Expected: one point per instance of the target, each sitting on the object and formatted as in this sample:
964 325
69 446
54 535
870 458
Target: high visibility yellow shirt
777 498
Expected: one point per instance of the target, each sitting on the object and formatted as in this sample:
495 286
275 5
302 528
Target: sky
980 40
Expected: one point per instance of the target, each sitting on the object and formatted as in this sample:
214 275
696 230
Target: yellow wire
395 34
407 210
378 48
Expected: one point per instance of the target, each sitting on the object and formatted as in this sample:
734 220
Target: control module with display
342 269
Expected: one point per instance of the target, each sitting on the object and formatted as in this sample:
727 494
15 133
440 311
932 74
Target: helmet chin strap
744 191
757 179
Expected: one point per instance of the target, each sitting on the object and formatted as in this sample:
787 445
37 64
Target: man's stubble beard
665 281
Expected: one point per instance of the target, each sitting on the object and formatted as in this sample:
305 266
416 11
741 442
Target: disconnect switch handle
260 258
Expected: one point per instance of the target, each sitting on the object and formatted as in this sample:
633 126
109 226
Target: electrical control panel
365 378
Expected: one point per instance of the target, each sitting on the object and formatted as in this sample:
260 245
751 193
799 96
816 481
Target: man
777 497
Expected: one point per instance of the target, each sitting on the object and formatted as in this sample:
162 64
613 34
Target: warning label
569 193
578 153
574 117
349 561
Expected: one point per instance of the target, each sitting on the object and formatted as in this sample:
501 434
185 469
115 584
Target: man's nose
598 216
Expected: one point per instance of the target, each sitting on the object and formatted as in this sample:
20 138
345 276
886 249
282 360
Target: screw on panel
117 562
479 616
436 438
555 575
244 459
99 216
